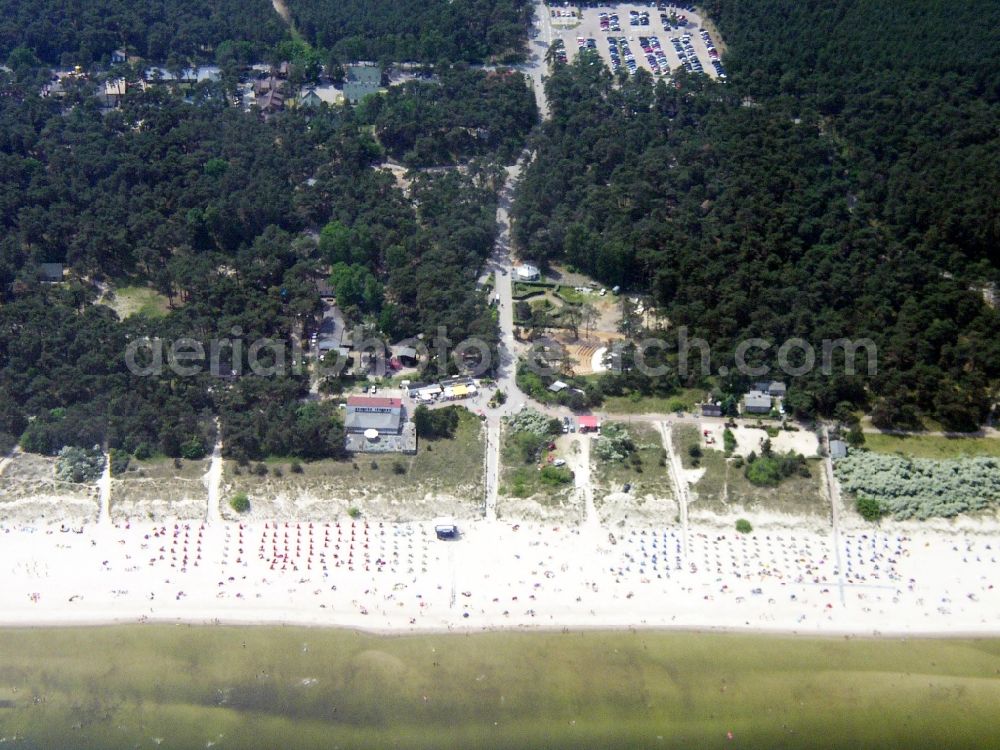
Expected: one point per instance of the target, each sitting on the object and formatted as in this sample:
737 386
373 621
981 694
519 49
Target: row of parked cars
635 18
655 55
609 22
619 51
670 24
560 50
686 54
713 54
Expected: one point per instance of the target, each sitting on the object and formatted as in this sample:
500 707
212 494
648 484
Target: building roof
323 288
51 271
383 421
382 402
711 410
757 400
588 420
838 449
115 87
310 98
356 90
557 386
527 270
460 380
367 73
774 387
406 351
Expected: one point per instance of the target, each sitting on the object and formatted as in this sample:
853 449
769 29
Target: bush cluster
921 487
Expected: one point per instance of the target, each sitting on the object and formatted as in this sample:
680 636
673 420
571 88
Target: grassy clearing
521 480
390 486
932 446
649 478
683 401
122 687
723 487
133 300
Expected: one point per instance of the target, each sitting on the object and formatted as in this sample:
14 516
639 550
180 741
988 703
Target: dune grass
932 446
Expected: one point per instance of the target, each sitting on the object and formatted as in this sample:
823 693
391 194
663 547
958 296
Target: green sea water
266 687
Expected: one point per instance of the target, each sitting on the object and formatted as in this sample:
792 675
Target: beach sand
398 577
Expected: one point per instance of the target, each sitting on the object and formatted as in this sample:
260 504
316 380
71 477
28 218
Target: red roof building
589 422
374 402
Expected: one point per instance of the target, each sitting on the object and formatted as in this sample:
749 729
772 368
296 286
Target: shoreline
577 629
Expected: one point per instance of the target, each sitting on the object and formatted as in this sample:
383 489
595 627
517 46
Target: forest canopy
231 221
418 30
86 31
841 184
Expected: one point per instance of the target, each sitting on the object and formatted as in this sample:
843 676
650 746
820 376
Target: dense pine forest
232 220
424 30
465 113
83 31
174 31
842 183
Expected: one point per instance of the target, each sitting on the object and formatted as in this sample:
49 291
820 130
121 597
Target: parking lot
658 37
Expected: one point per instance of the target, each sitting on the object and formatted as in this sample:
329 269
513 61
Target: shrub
79 464
295 468
728 440
193 449
855 436
374 465
921 487
277 472
260 470
528 445
119 461
743 526
143 451
398 467
435 424
178 463
870 509
529 420
769 470
354 512
614 443
240 502
694 451
556 475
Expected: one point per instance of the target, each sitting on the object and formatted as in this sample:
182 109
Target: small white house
527 272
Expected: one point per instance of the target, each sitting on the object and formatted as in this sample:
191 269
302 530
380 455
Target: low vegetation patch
79 464
614 443
769 469
921 487
870 509
240 502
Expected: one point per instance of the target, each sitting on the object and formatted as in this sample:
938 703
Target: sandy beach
398 577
